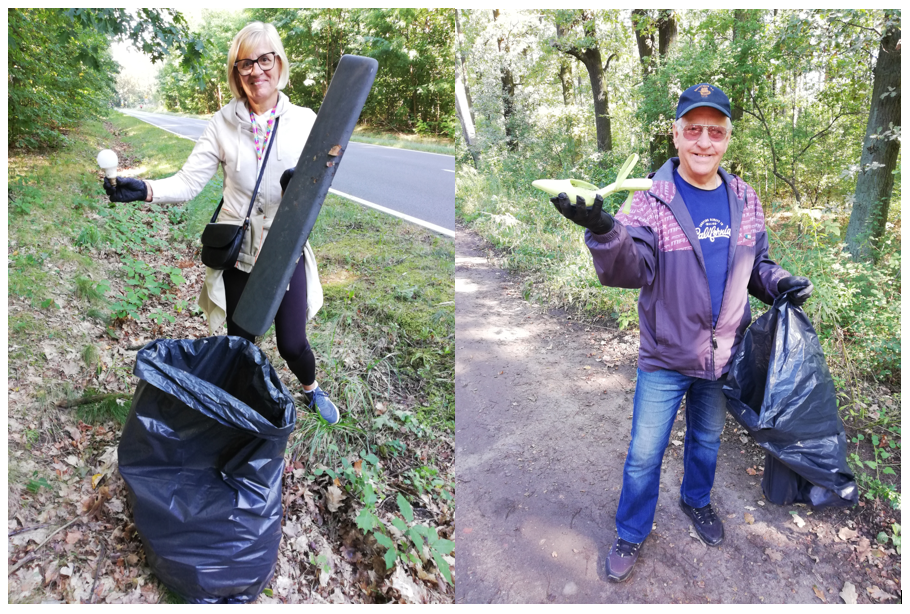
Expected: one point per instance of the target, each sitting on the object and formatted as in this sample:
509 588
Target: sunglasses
692 132
266 61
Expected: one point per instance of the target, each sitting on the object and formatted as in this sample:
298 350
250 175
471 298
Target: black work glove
286 178
803 288
594 218
128 190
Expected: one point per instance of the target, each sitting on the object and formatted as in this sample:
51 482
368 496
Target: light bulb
107 160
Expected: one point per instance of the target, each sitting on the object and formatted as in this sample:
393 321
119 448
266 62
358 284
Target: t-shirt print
712 228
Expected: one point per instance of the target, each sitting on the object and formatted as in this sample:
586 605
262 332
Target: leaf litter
63 472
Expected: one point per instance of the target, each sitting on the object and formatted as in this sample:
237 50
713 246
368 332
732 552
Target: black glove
803 288
128 190
286 178
594 218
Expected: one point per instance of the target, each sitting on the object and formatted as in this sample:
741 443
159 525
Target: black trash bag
780 389
202 454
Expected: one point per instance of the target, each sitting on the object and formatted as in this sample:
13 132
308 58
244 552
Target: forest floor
383 345
543 417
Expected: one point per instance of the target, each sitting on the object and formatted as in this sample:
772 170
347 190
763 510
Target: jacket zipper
708 284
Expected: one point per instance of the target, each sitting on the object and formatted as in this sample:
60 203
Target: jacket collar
239 113
668 195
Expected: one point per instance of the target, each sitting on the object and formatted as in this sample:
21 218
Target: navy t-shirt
710 212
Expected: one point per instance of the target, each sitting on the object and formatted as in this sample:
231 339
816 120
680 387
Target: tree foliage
60 66
413 90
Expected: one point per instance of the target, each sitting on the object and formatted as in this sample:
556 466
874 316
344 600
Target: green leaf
370 458
367 520
416 538
443 546
871 464
383 539
399 524
443 567
888 471
267 592
406 510
390 555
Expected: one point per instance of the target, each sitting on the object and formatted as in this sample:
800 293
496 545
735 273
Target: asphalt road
414 185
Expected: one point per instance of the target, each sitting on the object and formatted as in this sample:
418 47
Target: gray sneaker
621 560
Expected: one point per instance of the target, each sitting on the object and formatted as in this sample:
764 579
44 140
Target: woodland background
816 94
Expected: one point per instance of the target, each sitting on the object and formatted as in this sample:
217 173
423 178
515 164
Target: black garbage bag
780 389
202 454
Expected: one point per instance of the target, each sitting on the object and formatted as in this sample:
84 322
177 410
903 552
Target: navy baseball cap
703 95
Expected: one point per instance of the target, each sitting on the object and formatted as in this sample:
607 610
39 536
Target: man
696 246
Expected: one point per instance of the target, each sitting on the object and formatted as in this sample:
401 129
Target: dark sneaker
708 526
318 400
621 560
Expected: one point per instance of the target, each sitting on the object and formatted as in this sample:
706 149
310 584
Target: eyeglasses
692 132
245 67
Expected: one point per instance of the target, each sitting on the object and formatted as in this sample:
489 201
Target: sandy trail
542 429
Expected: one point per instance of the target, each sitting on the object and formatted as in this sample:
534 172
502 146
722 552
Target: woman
237 138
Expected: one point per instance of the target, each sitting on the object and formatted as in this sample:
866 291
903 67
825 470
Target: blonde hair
251 35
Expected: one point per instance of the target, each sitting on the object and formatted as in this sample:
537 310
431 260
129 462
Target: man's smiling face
699 160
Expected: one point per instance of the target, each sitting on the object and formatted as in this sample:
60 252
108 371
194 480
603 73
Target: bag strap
265 160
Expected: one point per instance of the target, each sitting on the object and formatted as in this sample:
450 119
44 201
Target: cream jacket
228 141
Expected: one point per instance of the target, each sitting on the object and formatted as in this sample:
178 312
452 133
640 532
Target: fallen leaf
774 555
819 593
71 460
132 559
848 594
334 496
749 518
751 471
799 521
750 508
358 466
676 442
409 590
744 439
70 368
66 571
847 534
878 594
864 549
73 536
335 150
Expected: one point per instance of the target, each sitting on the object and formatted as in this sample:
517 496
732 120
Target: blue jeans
657 399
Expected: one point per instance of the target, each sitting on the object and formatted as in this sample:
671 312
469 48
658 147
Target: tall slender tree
872 198
587 51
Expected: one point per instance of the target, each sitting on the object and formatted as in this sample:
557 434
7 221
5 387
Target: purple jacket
655 248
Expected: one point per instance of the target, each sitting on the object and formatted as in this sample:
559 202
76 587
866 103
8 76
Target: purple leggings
290 321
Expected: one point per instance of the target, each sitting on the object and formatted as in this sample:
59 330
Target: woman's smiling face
260 86
699 160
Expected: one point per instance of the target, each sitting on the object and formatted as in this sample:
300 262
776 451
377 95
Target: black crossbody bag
221 243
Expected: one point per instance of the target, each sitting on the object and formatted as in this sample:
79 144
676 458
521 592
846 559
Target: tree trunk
507 81
661 146
593 62
463 109
565 71
872 197
464 64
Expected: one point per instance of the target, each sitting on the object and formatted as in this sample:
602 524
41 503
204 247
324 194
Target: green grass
404 141
386 330
163 155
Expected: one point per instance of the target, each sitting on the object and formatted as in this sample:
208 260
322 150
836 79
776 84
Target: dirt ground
543 415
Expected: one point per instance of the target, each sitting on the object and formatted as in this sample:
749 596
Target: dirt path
542 430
